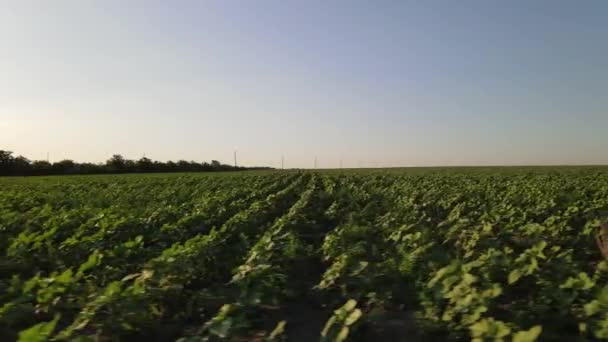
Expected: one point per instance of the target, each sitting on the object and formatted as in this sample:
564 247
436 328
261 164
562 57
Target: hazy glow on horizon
369 83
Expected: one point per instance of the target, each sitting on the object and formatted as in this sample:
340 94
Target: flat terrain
394 254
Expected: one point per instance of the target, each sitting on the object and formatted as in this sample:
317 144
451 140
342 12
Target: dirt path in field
392 326
306 314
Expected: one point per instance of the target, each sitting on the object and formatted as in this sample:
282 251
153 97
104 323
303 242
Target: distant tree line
20 166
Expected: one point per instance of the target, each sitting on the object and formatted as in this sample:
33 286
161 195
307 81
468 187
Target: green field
385 255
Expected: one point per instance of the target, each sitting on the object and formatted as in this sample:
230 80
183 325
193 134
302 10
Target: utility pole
235 165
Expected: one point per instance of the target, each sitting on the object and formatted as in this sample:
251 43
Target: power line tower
235 164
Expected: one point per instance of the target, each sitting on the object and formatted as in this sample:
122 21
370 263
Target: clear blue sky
374 83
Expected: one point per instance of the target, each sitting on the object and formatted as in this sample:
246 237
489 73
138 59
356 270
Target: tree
145 165
6 162
10 165
116 163
41 167
5 157
21 166
64 166
183 165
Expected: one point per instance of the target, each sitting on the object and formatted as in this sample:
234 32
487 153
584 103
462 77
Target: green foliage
278 333
40 332
342 322
472 254
528 335
226 322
